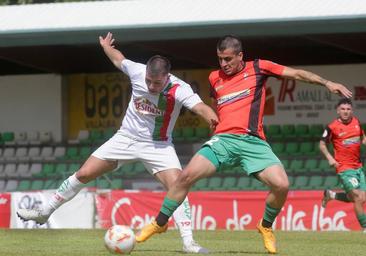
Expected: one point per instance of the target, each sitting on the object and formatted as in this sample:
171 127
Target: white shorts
155 155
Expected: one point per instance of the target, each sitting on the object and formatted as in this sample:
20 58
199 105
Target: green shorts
353 179
251 153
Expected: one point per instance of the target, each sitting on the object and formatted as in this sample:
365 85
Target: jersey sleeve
271 68
187 97
327 134
132 69
362 132
212 92
212 81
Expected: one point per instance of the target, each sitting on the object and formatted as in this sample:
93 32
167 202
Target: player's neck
241 67
167 85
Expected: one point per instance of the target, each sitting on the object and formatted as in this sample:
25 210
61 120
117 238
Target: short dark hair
229 41
158 65
344 101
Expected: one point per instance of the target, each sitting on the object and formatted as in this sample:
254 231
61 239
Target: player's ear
241 55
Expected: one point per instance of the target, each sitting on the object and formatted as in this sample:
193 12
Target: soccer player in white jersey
145 135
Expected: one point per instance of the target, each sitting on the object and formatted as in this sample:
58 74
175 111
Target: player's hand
333 163
338 89
363 141
107 41
213 124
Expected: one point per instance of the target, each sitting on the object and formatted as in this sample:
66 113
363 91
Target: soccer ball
119 239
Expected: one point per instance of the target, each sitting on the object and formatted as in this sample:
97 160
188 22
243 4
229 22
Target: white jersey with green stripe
152 117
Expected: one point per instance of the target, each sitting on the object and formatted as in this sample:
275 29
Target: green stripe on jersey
159 121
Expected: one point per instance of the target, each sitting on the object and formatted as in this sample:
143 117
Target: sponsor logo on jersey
146 107
245 76
218 88
341 134
232 97
3 200
351 141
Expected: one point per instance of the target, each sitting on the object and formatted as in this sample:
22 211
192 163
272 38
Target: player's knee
362 197
281 187
84 176
358 197
358 200
185 179
284 187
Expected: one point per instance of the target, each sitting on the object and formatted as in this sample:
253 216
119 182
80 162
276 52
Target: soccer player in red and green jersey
239 94
346 134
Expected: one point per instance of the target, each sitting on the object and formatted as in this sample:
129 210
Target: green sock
341 196
362 220
270 215
166 211
169 206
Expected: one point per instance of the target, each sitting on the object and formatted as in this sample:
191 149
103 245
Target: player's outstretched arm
206 113
323 148
113 54
309 77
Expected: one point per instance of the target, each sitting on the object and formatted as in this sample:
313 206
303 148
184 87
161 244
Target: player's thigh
119 147
361 173
159 157
94 167
356 195
168 177
199 167
257 158
353 179
274 176
112 154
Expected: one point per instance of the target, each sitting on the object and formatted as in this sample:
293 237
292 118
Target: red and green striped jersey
166 103
346 139
241 97
153 116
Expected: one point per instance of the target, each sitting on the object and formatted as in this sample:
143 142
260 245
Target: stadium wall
31 103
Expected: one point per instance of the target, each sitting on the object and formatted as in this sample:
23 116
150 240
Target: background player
346 135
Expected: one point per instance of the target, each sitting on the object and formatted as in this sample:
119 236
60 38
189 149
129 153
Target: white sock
68 189
182 218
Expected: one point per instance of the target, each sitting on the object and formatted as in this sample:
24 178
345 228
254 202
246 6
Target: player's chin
153 92
346 118
228 72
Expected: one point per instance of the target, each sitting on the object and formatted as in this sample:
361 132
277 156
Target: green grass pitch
90 242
